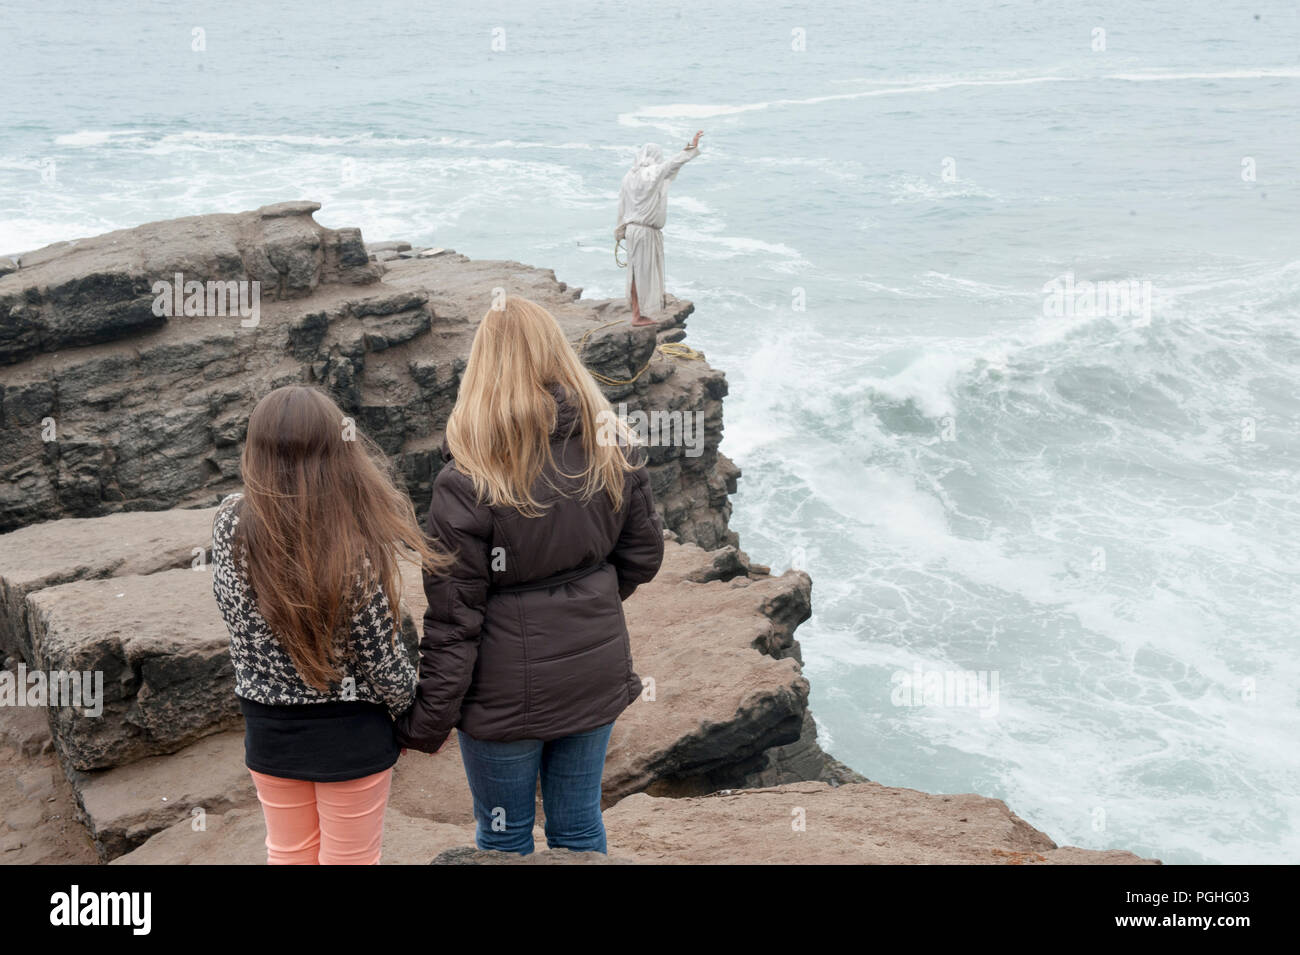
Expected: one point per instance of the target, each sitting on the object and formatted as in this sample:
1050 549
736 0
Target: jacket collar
567 422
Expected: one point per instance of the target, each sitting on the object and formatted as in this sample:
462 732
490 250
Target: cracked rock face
107 406
122 808
164 654
715 697
100 289
59 552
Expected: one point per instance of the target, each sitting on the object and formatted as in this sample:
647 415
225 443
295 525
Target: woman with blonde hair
546 506
305 572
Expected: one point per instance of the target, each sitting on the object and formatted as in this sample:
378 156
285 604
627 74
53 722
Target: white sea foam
913 188
691 205
925 383
91 137
654 115
1258 74
657 115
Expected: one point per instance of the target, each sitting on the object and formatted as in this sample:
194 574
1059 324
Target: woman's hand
441 747
696 141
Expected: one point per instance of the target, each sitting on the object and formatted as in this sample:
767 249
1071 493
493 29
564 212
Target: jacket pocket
577 690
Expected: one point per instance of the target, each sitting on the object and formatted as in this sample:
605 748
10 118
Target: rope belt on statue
622 263
670 350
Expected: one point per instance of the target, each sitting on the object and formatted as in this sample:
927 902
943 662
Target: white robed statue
642 211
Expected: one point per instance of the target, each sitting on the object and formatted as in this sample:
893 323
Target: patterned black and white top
375 665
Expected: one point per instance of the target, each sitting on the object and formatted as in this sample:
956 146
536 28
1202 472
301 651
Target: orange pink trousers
323 823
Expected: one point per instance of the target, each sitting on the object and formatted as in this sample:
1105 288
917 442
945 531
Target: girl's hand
434 753
696 141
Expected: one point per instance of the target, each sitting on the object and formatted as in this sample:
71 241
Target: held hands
441 747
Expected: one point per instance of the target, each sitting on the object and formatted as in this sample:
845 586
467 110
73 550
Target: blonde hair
499 431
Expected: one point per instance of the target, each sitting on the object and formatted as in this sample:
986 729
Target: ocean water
1098 511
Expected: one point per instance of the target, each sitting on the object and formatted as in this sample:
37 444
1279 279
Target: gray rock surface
26 730
122 807
238 837
100 289
856 824
38 818
164 653
59 552
387 246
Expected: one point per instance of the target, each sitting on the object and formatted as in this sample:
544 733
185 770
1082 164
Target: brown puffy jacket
524 637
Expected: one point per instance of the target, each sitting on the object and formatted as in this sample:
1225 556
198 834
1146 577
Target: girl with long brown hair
546 506
306 576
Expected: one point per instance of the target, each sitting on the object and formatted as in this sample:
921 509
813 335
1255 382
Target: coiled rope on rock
675 351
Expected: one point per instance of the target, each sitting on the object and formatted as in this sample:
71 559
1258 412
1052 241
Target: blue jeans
503 781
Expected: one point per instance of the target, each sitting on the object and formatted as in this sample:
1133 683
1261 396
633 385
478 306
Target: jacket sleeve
378 654
640 547
452 623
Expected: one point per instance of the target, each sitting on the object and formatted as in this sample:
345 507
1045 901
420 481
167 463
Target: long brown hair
322 523
499 431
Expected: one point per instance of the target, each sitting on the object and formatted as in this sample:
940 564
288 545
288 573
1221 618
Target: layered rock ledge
107 406
62 552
